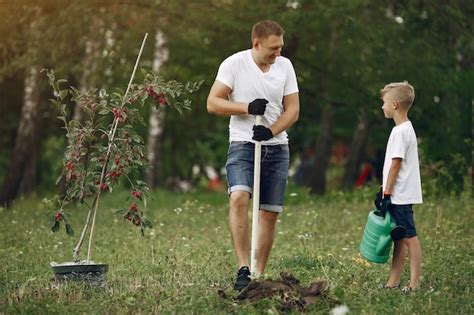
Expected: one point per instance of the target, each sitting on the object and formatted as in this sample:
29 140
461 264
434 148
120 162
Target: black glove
261 133
257 106
385 204
378 198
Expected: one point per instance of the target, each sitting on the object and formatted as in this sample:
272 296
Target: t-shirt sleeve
291 84
225 74
399 145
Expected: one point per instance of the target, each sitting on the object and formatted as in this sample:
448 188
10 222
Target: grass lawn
179 266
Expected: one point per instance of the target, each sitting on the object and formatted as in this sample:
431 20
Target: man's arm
218 101
291 107
392 175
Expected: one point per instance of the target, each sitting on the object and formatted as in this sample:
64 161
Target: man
257 81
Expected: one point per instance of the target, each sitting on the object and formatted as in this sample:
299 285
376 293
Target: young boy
401 185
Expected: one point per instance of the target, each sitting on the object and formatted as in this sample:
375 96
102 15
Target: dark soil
287 291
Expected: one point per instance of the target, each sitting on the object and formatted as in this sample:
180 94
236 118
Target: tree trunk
357 151
157 119
92 56
26 144
316 179
29 179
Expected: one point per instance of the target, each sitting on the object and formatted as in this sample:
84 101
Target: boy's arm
392 175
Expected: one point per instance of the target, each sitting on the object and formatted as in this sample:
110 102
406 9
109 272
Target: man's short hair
401 92
265 28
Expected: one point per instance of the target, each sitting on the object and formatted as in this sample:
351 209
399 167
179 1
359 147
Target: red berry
104 186
58 216
162 99
70 166
133 207
136 194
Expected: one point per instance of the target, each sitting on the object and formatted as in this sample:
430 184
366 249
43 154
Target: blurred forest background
344 52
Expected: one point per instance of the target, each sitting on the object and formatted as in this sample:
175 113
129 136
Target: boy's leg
238 221
414 253
398 261
266 234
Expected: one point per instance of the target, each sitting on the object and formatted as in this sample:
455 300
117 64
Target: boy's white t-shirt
402 144
247 82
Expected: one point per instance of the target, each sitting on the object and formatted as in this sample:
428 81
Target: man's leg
238 221
266 234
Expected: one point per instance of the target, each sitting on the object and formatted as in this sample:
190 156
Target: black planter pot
89 272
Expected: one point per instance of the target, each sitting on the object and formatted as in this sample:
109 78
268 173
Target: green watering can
379 232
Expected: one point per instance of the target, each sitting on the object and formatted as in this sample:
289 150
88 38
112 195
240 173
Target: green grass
179 266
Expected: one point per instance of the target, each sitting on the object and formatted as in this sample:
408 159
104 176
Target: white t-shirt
402 144
247 82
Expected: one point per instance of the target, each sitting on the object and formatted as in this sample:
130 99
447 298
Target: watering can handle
387 217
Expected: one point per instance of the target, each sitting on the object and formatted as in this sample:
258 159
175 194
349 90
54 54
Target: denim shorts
273 172
403 216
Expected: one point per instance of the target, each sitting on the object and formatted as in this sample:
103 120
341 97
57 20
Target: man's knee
268 216
239 200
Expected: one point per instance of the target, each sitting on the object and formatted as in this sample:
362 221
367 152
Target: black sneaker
243 278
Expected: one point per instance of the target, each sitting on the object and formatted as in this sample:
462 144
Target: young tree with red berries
104 148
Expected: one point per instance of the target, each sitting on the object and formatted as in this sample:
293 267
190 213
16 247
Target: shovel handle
256 201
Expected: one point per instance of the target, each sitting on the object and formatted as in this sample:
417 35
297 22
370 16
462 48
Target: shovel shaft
256 201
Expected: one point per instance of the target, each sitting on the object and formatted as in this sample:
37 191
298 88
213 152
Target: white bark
157 115
30 101
95 50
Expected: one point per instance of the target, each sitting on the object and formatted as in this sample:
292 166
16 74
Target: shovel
256 201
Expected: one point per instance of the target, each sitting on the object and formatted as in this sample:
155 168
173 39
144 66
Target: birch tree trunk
90 64
95 47
22 168
157 119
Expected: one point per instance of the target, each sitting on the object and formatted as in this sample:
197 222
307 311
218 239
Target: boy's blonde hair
401 92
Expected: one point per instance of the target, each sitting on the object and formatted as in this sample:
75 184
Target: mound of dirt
287 290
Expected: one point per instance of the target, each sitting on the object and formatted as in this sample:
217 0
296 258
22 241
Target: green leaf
63 94
104 111
55 226
69 230
58 179
62 118
147 223
121 212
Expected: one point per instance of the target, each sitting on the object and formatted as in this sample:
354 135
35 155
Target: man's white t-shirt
402 144
248 82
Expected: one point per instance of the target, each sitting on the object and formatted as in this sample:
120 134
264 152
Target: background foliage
343 51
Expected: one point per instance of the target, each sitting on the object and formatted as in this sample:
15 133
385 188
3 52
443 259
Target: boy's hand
257 106
385 203
261 133
378 198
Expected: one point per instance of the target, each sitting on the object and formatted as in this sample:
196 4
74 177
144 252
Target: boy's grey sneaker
243 278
